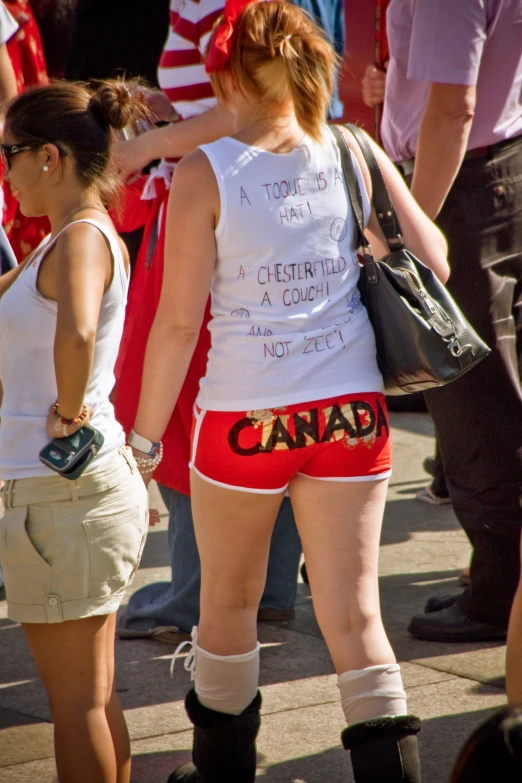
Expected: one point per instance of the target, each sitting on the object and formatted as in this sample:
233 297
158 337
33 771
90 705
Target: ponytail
279 54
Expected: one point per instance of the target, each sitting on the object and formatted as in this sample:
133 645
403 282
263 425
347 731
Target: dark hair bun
119 103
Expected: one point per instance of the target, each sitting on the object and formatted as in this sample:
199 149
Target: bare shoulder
82 243
83 237
196 169
195 187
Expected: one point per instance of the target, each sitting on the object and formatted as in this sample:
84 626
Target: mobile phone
70 456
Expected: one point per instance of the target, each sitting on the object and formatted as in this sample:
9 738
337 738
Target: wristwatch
145 445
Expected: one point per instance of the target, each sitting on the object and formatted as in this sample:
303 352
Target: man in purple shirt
452 121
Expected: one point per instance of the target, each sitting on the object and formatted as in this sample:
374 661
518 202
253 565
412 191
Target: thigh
340 526
233 532
71 658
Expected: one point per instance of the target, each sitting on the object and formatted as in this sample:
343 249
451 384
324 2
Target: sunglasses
8 150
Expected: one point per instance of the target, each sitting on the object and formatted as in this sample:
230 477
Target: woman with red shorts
292 397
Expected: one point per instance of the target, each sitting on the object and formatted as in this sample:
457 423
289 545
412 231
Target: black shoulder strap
381 200
352 183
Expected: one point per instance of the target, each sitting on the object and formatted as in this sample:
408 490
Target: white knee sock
224 683
374 692
227 683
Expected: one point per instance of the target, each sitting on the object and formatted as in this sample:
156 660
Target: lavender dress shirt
468 42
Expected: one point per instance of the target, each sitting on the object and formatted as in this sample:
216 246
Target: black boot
384 750
224 749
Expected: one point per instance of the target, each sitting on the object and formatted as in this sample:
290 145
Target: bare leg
514 650
114 713
340 526
71 658
233 531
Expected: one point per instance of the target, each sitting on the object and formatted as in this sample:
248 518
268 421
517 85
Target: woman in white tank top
292 397
68 547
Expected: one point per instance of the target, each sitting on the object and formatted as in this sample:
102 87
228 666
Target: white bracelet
149 464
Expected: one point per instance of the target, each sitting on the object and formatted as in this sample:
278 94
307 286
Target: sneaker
426 495
168 634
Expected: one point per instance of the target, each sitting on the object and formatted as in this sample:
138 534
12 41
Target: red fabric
26 54
342 438
382 51
184 28
178 59
206 24
192 92
219 52
144 297
132 211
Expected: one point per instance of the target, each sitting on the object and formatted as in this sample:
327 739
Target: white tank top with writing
288 324
27 332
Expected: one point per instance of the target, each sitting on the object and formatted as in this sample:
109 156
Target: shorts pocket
115 545
15 541
27 573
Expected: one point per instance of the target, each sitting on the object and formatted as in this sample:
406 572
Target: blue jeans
176 603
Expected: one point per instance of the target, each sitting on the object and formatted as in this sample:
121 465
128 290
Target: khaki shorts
70 548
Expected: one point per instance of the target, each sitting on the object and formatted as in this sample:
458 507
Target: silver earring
46 168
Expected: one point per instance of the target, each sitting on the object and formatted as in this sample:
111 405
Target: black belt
406 166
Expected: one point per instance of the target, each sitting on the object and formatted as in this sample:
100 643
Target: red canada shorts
339 439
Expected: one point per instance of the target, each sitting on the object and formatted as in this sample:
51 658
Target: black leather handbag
423 339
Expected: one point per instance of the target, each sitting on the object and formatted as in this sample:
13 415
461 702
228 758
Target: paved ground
452 687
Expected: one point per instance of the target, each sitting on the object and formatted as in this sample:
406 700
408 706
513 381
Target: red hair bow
219 52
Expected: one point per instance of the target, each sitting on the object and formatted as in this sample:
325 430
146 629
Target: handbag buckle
456 349
370 265
395 243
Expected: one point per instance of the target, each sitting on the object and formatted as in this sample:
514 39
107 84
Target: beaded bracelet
149 464
69 422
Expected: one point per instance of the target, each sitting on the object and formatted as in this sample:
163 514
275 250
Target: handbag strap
381 200
354 194
352 184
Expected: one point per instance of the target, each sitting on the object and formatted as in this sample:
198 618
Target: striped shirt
181 72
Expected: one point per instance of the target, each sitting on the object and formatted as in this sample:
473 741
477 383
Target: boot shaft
224 749
384 750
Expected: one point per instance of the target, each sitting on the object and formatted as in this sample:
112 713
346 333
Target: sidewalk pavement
451 687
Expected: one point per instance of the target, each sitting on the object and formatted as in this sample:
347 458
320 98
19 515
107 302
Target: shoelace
190 660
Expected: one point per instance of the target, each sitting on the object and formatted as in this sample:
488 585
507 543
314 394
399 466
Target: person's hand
161 107
131 157
154 517
55 428
145 471
374 85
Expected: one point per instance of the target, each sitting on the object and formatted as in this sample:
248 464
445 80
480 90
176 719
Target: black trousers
439 485
478 418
